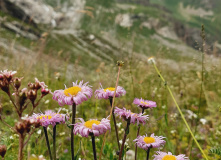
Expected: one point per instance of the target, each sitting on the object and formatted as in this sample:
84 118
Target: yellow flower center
148 140
169 157
110 89
89 124
144 102
45 117
73 91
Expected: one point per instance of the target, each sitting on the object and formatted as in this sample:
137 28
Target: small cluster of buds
3 150
6 77
34 87
25 125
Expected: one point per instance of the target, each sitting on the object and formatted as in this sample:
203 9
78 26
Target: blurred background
60 41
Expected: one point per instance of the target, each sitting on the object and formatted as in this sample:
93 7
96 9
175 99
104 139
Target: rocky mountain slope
91 32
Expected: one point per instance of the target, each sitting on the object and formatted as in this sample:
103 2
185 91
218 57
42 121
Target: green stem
54 142
47 141
182 116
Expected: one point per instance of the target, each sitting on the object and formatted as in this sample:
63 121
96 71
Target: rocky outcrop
36 12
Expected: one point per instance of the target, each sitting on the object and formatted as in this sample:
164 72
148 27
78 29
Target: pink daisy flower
133 117
49 118
109 92
146 142
144 103
76 94
169 156
92 126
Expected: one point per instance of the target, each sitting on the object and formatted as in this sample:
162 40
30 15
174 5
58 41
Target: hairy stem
72 128
124 139
47 141
21 143
182 116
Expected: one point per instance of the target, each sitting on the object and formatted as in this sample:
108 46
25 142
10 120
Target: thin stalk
21 143
47 141
202 81
93 145
72 128
182 116
110 111
115 125
54 142
138 132
148 153
124 139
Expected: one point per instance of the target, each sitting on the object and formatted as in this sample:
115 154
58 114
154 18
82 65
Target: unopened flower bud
31 85
120 63
1 77
44 91
4 86
3 150
20 127
37 86
17 82
32 95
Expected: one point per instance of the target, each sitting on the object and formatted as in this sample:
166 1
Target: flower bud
31 85
44 91
32 95
20 127
17 82
1 77
3 150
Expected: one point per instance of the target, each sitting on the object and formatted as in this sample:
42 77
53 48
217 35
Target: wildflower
49 118
76 94
8 75
146 142
144 104
132 117
109 92
168 156
151 60
92 126
203 121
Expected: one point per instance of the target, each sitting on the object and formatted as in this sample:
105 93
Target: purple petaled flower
49 118
169 156
144 103
109 92
92 126
76 94
146 142
133 117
